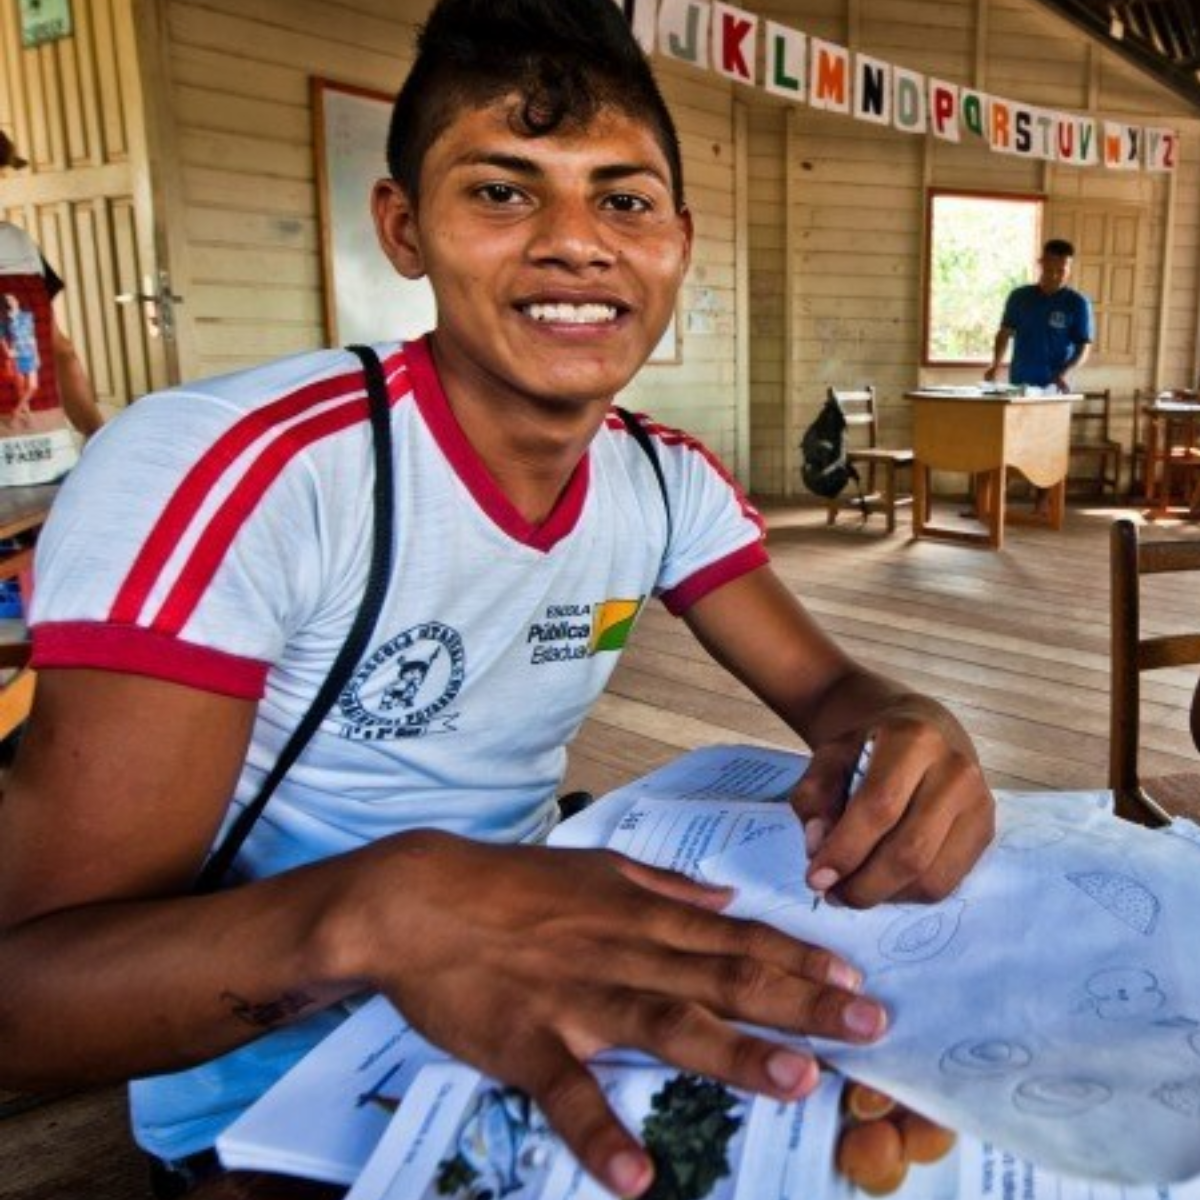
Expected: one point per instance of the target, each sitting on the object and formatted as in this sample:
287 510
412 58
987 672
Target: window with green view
980 247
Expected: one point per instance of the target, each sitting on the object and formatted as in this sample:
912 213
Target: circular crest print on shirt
406 687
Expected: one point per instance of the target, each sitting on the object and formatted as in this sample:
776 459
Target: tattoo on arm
268 1013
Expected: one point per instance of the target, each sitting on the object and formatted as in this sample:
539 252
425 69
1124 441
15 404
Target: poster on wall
36 443
45 21
365 299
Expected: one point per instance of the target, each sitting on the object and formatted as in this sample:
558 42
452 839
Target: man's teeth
573 314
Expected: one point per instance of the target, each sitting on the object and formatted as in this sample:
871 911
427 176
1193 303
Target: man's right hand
526 962
989 376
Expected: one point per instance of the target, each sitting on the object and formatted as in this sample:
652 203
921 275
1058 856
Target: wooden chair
1091 438
1166 452
874 462
1149 801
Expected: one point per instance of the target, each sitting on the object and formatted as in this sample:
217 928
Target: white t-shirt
219 536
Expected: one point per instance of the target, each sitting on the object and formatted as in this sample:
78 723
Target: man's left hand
917 823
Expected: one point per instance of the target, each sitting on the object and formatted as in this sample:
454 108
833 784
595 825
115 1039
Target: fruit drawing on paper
976 1058
915 937
1060 1095
1181 1096
1124 994
1126 899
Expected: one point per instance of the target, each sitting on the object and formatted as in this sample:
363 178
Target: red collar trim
469 467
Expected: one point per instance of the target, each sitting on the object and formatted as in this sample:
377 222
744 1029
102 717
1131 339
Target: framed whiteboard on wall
365 300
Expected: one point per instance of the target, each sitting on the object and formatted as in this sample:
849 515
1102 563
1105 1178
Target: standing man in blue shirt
1051 328
1049 324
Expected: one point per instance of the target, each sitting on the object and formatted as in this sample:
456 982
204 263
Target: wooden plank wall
72 108
239 75
855 251
239 85
835 274
769 312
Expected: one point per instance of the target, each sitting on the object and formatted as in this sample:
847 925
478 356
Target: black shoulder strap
643 439
222 857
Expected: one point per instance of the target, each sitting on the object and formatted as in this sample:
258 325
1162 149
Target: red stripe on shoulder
664 435
223 525
131 650
196 486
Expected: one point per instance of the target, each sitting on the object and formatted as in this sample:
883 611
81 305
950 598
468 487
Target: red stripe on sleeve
196 486
131 650
222 528
725 570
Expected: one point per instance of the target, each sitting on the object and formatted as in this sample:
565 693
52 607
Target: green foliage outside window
980 248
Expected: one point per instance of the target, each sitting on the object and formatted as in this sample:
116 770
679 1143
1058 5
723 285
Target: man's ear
396 227
689 234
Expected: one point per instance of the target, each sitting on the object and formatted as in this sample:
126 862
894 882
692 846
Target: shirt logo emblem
406 687
572 632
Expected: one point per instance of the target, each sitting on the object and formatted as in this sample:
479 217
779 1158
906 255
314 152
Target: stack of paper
1051 1007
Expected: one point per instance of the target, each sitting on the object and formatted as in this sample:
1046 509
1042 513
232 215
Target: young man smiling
536 181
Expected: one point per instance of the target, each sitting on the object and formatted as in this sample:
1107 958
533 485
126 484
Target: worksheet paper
460 1135
984 996
1051 1005
323 1119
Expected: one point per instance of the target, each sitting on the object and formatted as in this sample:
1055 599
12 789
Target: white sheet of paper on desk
1031 951
323 1119
1051 1005
717 773
459 1134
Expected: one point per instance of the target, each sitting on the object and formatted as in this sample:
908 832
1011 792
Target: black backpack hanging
824 465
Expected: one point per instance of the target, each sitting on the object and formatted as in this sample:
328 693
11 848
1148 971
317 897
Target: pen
861 764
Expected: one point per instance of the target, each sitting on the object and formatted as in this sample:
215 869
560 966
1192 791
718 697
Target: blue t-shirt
1048 328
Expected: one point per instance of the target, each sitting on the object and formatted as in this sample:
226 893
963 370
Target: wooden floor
1015 642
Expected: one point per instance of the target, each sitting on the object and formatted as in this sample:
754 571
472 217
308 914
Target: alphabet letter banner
756 52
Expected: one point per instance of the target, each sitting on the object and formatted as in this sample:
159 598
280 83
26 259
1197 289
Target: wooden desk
984 435
1169 426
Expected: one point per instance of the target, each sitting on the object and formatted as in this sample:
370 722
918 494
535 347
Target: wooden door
74 108
1107 240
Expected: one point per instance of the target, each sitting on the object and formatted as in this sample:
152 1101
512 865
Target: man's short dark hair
1058 248
565 59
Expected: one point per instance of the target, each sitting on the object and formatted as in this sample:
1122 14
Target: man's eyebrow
615 172
516 163
520 165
